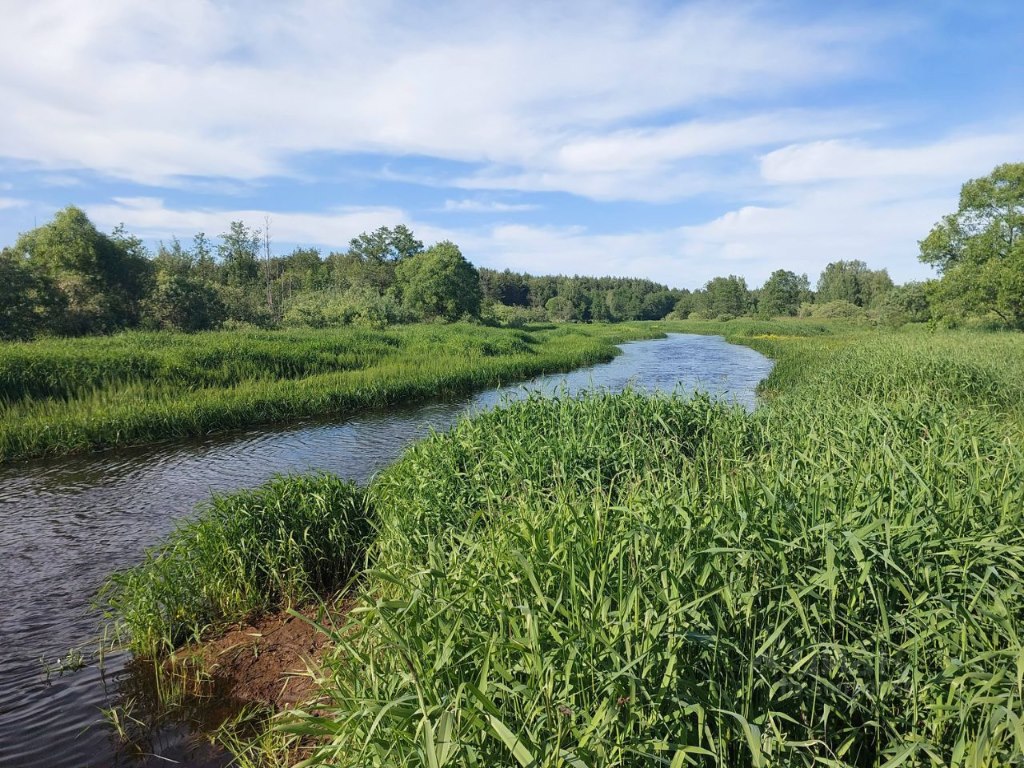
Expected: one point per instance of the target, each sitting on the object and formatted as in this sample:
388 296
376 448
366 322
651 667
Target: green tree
239 251
561 310
372 257
101 279
385 244
908 303
655 306
841 281
852 281
183 303
726 296
875 285
173 259
204 264
29 300
782 293
439 283
508 287
979 250
302 270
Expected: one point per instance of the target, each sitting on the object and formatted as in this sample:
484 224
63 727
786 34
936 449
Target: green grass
62 396
290 541
834 580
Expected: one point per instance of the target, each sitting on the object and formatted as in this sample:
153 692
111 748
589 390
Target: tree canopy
979 249
852 281
783 293
99 280
439 283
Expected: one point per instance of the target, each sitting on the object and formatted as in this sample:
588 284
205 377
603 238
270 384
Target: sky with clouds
670 140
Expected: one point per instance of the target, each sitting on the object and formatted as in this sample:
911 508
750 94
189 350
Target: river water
66 524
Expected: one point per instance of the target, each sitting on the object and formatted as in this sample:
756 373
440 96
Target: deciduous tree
782 293
439 283
979 250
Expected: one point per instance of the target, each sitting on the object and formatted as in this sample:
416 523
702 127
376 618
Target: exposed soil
272 661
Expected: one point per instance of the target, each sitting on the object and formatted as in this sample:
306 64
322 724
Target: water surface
66 524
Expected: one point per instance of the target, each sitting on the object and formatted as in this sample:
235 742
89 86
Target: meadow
836 579
59 396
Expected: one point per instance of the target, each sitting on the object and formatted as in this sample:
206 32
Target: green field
834 580
59 396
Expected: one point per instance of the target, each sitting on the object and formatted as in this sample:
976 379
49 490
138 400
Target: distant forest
68 278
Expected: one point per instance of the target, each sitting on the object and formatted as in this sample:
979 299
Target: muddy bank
273 661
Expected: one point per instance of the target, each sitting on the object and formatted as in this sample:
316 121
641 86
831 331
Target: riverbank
63 396
620 579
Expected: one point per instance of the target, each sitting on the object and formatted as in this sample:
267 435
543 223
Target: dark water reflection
66 524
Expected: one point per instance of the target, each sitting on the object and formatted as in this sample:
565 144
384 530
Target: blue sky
675 141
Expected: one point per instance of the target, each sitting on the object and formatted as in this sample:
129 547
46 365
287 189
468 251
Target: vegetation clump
287 542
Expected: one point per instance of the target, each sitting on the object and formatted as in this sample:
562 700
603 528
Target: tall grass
621 580
837 579
61 396
291 540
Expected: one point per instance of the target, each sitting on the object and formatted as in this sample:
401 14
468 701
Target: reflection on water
66 524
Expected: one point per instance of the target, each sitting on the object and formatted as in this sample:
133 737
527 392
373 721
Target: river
66 524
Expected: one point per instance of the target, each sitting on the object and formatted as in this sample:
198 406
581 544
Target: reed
836 579
289 541
63 396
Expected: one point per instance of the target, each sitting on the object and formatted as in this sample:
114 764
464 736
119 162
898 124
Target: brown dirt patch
270 661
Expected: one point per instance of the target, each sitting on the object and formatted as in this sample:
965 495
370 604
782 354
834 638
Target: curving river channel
66 524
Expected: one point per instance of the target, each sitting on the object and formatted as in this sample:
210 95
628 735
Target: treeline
68 278
846 289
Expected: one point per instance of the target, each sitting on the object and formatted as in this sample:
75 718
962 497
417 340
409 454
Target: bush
834 310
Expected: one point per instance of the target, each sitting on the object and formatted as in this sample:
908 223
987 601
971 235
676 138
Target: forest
66 278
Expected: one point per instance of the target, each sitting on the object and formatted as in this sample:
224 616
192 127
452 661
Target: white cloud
957 158
651 148
148 92
486 206
11 202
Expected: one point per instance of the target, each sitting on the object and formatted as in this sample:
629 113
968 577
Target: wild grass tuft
286 542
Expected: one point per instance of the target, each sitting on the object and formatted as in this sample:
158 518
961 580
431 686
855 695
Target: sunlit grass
287 542
836 579
61 396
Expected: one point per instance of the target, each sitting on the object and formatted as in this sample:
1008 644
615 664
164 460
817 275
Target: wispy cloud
187 92
486 206
955 157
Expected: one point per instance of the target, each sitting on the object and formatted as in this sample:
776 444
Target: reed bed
62 396
836 579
